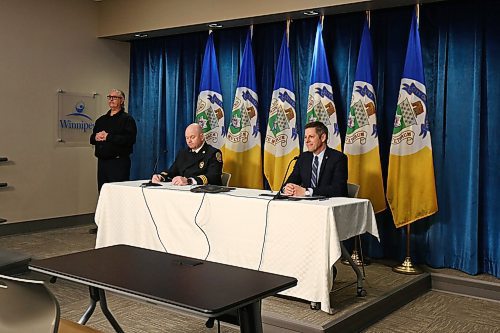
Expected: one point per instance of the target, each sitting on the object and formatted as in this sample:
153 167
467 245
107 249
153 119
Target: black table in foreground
197 286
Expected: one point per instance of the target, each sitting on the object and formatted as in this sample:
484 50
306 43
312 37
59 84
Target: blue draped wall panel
266 48
183 59
489 223
229 47
462 57
461 51
147 75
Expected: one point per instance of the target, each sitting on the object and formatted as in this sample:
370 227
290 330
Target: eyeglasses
113 98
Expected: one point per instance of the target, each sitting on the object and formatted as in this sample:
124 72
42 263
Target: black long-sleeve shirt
121 131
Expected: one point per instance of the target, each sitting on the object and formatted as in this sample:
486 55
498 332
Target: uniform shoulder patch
218 156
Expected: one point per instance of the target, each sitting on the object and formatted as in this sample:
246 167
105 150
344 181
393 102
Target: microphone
150 183
279 196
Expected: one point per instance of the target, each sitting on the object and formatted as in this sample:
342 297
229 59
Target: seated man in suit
199 164
319 171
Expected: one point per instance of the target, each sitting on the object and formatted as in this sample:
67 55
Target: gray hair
122 94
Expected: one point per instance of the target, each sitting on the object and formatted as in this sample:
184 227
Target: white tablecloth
293 238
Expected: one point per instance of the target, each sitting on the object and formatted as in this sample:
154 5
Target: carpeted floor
442 312
432 312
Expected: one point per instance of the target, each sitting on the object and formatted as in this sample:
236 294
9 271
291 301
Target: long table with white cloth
240 228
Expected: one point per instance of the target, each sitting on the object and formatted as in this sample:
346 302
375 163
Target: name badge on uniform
202 164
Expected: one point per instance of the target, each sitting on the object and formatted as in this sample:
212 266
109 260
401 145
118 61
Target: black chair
357 253
225 178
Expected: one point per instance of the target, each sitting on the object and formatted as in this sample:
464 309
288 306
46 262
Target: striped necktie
314 175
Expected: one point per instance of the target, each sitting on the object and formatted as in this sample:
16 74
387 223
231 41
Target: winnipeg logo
79 111
79 124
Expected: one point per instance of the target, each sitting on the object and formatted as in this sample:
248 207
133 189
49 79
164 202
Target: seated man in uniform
199 164
319 171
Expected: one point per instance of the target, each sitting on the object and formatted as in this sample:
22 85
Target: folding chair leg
359 276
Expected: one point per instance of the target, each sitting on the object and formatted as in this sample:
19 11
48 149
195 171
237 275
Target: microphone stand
150 183
279 196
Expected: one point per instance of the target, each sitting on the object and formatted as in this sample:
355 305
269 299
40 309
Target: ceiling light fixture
215 25
311 13
141 35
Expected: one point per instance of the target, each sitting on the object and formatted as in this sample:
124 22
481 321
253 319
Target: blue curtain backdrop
461 51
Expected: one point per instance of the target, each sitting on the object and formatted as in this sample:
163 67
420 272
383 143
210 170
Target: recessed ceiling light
141 35
215 25
311 13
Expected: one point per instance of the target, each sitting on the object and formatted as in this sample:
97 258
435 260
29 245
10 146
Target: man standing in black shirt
113 137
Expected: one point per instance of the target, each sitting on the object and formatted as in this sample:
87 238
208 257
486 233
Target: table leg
107 313
98 295
94 298
250 318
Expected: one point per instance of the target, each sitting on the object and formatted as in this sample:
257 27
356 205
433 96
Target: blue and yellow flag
411 189
361 141
242 156
209 108
282 139
320 105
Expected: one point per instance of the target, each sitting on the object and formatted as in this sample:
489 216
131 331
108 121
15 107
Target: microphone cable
246 196
279 195
269 199
152 219
199 227
265 233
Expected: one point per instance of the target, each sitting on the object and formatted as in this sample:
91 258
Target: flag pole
407 266
357 253
288 31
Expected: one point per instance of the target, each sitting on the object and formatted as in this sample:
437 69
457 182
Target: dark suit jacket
332 181
205 166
